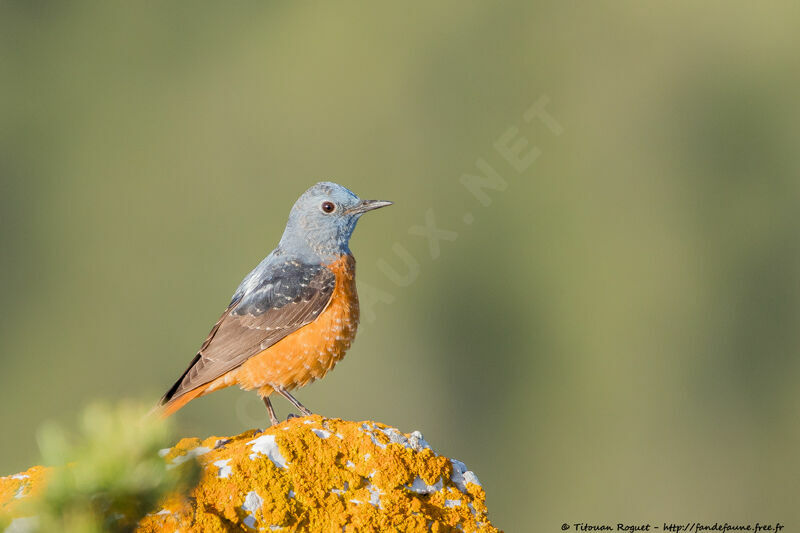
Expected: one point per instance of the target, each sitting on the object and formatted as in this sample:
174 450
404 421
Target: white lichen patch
415 441
252 503
194 452
420 487
470 477
225 471
321 433
162 512
369 431
220 443
266 445
375 496
418 442
21 492
342 490
395 436
461 476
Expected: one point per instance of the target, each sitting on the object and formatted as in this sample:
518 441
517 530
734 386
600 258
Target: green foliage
111 475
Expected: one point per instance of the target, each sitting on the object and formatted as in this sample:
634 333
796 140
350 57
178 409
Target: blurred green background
613 338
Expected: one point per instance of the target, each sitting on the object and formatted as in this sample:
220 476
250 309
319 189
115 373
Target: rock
309 474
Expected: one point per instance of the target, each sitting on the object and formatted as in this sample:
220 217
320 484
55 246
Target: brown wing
290 298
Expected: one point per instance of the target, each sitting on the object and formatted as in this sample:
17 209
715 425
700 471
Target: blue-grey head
322 221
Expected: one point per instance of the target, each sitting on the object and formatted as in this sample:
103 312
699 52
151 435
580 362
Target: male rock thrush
294 316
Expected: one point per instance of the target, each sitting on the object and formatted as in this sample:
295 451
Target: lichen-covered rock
15 489
311 474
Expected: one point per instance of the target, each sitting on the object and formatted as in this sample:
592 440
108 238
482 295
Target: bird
294 316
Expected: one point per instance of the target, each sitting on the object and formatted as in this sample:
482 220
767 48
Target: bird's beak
367 205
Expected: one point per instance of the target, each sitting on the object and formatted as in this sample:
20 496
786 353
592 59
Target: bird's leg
283 392
272 418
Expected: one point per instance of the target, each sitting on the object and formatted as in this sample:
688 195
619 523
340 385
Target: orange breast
310 352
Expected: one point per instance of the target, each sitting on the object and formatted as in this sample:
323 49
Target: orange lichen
318 474
14 490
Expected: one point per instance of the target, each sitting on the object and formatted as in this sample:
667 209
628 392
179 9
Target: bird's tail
172 401
169 406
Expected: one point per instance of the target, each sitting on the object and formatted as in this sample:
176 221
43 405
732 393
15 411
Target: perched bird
294 316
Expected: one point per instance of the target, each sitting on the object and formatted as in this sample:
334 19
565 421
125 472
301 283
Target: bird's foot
272 418
300 407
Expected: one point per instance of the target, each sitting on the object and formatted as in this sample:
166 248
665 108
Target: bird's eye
328 207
